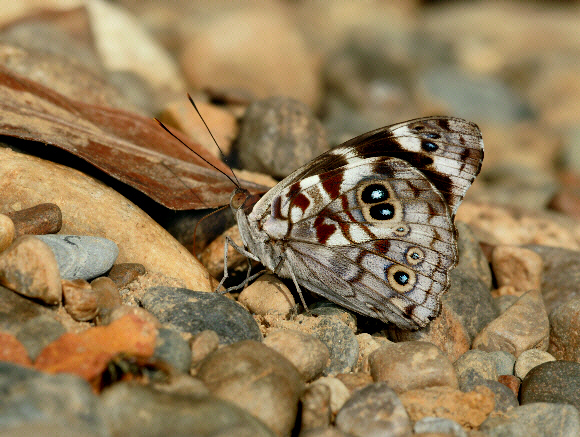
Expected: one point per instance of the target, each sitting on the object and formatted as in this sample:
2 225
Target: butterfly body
369 224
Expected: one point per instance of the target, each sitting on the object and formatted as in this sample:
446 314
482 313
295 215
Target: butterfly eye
401 279
415 256
432 135
384 211
374 193
428 146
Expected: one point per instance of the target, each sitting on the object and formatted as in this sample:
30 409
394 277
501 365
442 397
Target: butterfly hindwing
369 224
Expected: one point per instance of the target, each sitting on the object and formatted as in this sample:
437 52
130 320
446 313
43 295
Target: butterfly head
241 198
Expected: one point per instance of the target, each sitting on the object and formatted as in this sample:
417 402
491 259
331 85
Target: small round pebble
411 365
374 410
331 309
45 218
7 232
141 313
257 379
80 256
108 298
339 393
553 381
512 382
80 300
530 359
268 295
308 354
125 273
29 267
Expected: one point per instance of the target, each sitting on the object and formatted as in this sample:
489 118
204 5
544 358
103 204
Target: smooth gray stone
190 311
61 401
81 256
537 419
173 349
439 425
134 410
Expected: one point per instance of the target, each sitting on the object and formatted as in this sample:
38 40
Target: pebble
504 396
504 302
324 308
367 344
108 298
474 366
355 381
16 310
257 379
171 348
516 266
412 365
7 232
552 381
472 259
132 409
80 300
107 215
45 218
561 275
316 412
541 419
141 313
48 401
468 409
268 295
374 410
439 425
522 326
278 135
340 341
194 311
339 393
306 352
530 359
202 345
125 273
564 329
82 257
512 382
29 267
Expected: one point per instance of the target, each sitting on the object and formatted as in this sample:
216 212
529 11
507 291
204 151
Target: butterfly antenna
212 137
236 182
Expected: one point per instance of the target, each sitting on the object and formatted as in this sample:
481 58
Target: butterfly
369 225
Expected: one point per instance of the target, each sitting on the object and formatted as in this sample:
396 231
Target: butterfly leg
298 289
244 252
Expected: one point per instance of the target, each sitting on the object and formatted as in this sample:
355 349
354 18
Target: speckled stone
553 381
473 366
564 328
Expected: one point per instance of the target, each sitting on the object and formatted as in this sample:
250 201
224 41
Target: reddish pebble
42 219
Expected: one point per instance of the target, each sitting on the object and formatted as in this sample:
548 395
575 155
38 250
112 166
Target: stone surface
202 345
171 348
339 393
522 326
29 267
439 425
80 300
125 273
81 257
7 232
308 354
132 409
278 65
39 332
474 366
537 419
61 400
553 381
45 218
16 310
107 214
316 412
193 312
268 295
468 409
412 365
108 298
504 362
367 344
530 359
516 266
257 379
278 135
564 328
561 275
374 410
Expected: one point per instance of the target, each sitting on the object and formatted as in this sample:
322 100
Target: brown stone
316 411
523 326
7 232
564 329
124 274
512 382
268 295
108 298
518 267
80 300
45 218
